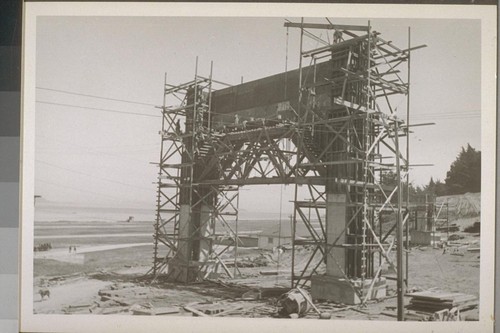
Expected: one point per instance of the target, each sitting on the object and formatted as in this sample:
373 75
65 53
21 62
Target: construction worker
178 127
337 36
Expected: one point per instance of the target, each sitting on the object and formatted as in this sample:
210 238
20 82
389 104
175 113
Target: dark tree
389 178
465 172
440 188
431 187
436 188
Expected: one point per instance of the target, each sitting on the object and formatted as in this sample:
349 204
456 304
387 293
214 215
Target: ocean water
50 212
46 213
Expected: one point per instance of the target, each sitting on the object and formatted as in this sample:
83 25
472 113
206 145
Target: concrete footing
324 287
180 272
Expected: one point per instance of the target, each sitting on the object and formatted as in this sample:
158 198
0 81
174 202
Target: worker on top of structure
337 37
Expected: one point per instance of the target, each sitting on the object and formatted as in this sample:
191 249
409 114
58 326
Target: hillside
462 205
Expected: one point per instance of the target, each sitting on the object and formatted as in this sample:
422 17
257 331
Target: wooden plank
326 26
116 299
194 311
231 310
332 47
114 310
166 310
464 298
389 54
228 272
86 305
432 303
141 311
433 295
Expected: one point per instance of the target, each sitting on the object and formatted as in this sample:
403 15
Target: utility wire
90 150
79 190
457 115
99 109
92 176
65 142
94 96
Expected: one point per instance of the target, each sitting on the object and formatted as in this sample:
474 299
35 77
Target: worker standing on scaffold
178 127
337 36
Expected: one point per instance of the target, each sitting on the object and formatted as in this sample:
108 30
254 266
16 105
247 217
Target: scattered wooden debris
435 305
234 309
166 310
149 310
446 315
142 309
113 310
119 300
194 311
251 295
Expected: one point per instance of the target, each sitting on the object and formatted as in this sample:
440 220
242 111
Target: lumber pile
435 301
451 228
222 309
149 310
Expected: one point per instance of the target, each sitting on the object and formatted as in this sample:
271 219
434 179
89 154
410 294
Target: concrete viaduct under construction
328 128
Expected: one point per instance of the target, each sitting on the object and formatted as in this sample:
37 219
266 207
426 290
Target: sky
98 151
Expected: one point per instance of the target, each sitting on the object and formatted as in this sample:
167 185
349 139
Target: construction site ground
106 275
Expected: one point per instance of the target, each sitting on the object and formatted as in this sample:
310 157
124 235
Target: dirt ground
103 269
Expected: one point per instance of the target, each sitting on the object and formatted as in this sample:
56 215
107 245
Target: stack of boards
433 301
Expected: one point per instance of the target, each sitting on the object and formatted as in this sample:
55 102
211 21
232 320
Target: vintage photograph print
329 164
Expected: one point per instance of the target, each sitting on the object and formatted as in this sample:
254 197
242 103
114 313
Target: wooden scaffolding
332 132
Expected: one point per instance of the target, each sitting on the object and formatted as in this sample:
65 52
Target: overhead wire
92 176
99 109
90 150
94 96
79 189
450 115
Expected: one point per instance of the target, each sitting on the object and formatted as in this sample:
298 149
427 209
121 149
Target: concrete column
335 225
179 267
185 231
206 230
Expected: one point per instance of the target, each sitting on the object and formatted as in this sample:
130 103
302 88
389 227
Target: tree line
463 176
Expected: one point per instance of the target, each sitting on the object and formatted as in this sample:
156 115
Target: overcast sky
92 155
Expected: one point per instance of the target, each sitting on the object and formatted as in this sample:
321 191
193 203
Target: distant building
275 236
245 240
